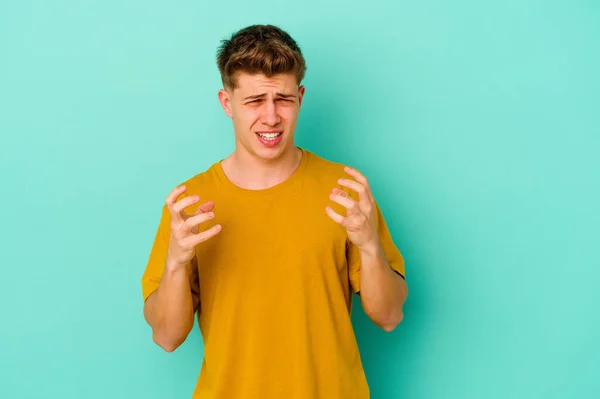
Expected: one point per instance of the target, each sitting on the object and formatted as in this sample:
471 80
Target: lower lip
270 143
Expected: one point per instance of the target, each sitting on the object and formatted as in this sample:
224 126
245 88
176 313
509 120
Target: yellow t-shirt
274 288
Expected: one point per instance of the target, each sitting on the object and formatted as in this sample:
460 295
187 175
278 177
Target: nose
269 116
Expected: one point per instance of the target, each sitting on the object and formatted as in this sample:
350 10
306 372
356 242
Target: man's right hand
185 232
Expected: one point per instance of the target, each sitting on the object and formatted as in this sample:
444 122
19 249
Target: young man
268 245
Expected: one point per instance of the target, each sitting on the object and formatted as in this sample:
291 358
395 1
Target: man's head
261 69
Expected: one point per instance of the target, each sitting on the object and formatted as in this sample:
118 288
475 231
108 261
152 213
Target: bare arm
382 290
170 309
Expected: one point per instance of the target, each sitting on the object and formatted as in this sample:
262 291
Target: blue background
477 124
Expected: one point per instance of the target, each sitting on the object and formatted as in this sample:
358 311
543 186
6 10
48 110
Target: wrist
173 266
371 249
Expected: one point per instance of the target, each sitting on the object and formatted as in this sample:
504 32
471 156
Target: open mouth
269 136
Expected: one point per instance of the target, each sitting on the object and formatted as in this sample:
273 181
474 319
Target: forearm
382 290
169 310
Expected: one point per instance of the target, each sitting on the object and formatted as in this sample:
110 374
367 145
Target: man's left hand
360 216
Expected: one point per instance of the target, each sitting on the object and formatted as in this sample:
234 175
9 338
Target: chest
269 232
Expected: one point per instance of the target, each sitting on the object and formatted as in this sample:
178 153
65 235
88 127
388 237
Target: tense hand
185 233
359 221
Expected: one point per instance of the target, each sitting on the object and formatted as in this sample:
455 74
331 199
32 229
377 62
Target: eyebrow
264 94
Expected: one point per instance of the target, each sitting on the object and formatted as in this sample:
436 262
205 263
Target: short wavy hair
259 49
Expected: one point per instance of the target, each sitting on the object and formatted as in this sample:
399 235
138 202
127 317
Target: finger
184 203
193 222
346 202
206 207
339 192
358 176
205 235
363 192
336 217
172 198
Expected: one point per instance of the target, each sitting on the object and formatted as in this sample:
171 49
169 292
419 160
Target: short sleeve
392 253
157 259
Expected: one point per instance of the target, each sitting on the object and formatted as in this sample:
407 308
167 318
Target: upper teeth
268 136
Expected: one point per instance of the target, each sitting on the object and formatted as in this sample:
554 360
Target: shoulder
200 183
328 171
320 166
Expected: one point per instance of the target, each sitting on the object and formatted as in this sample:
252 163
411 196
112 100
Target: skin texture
383 292
260 104
169 310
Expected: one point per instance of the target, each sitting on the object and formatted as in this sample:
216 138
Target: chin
272 153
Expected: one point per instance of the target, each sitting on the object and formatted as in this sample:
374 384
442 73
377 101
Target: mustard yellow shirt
274 288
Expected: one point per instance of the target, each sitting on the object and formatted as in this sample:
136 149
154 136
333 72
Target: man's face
264 113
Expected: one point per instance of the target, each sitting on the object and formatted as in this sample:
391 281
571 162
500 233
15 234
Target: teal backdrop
476 122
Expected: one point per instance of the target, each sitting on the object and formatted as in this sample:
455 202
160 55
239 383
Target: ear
225 100
301 90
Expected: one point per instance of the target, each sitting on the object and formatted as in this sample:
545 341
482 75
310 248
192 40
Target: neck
248 171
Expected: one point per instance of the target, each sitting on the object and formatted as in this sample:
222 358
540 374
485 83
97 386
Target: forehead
251 83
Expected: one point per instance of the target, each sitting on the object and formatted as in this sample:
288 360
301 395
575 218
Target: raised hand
359 221
185 232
